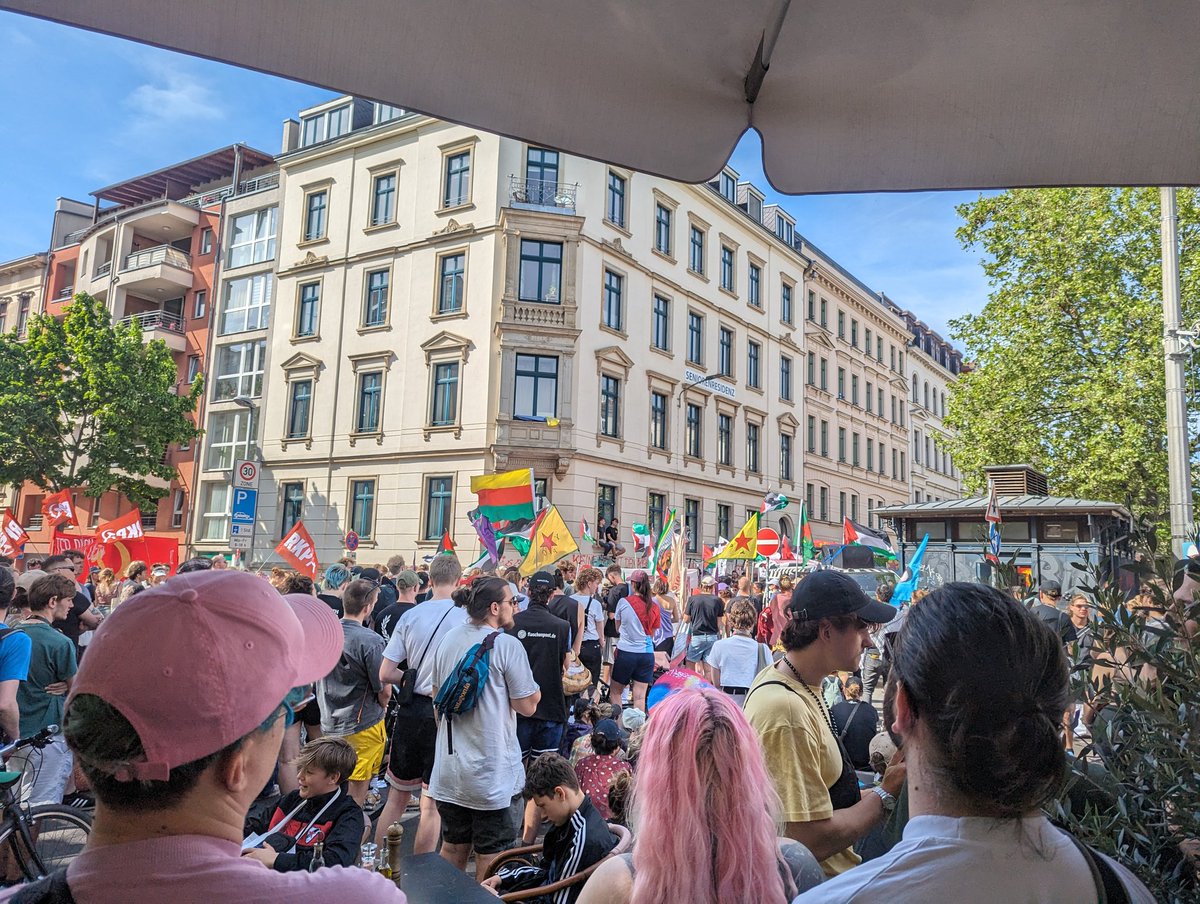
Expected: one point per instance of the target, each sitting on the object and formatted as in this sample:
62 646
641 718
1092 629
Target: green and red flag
804 539
505 497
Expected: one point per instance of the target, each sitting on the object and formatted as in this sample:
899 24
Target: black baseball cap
608 728
540 580
1051 588
827 594
370 574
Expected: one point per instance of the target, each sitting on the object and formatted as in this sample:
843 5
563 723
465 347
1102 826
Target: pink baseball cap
202 660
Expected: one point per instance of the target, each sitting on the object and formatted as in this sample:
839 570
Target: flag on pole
804 538
505 497
786 553
706 552
855 533
641 539
744 544
911 578
487 535
773 502
446 547
585 531
57 509
127 527
12 536
298 550
660 553
551 541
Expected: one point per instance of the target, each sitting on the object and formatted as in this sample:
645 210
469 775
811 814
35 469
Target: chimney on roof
291 135
1017 480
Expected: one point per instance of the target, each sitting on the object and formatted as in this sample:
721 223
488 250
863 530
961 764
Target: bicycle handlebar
39 739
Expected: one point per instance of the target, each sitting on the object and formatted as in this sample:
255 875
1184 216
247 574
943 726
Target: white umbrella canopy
859 96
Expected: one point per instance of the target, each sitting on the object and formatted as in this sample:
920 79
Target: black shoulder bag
845 791
408 678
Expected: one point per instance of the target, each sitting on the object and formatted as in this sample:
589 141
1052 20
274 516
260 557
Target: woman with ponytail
705 816
978 688
637 618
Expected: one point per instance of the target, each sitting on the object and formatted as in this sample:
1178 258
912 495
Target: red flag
298 549
151 550
706 552
849 535
57 509
447 545
786 554
127 527
12 536
85 543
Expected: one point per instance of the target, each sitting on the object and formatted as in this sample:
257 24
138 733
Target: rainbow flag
505 497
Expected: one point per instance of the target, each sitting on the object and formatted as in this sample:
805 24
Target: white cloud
174 94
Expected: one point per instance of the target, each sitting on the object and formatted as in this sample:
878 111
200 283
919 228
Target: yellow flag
744 544
550 542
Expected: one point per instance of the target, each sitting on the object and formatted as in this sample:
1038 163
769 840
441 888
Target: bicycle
35 841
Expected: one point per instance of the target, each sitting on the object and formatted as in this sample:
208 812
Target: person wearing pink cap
176 717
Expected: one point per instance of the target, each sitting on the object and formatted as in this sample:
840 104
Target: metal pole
1178 457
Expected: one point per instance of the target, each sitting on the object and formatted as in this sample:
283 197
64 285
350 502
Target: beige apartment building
934 365
22 291
450 303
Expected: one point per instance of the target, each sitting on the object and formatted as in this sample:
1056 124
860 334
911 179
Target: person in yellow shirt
828 623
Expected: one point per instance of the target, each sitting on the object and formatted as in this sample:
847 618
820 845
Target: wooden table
431 879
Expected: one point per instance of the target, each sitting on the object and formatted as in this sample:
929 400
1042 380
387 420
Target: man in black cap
1046 608
828 627
546 639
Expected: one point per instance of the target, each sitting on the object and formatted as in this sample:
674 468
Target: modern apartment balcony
159 325
217 195
157 271
549 197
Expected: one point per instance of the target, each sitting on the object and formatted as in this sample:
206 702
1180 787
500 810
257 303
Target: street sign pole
243 510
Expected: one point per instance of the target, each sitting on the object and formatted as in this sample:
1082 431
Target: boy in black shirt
321 810
579 838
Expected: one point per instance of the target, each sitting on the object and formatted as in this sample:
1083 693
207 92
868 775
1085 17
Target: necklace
819 701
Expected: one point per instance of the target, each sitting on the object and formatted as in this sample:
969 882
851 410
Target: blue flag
911 577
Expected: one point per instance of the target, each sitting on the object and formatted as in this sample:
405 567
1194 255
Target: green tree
86 403
1068 359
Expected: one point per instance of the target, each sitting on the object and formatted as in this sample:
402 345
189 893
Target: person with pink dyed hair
705 815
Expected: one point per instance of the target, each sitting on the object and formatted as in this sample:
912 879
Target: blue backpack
460 691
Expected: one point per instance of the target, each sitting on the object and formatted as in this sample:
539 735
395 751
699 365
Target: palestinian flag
505 497
804 538
786 553
858 534
773 502
446 546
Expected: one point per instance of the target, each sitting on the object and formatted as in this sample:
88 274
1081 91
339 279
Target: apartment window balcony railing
66 291
217 195
35 522
104 269
534 193
155 320
262 183
208 198
160 254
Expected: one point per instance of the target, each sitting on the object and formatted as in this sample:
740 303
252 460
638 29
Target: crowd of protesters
717 747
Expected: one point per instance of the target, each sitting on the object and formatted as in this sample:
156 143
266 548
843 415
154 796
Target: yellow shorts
368 744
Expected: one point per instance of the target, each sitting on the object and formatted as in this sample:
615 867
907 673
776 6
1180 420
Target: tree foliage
1068 357
86 403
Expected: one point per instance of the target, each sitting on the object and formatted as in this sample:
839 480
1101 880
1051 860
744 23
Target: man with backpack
484 680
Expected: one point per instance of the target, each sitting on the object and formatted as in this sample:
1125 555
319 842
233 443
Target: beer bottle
318 857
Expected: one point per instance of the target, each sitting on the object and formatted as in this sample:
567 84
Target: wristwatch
889 800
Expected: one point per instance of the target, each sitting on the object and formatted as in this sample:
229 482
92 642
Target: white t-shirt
737 658
941 858
484 772
633 637
593 611
416 629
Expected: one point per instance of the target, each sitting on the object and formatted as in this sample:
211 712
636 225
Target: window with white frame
178 509
230 438
247 304
214 517
199 306
541 271
239 370
324 125
252 237
536 386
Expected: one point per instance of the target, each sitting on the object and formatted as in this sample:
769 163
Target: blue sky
85 110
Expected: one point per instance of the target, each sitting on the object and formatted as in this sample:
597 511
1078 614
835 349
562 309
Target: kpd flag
127 527
299 550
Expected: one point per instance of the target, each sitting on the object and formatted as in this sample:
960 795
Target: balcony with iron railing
535 194
246 187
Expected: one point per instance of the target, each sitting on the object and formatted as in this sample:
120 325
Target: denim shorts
538 736
700 647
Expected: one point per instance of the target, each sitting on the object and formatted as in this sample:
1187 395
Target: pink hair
705 809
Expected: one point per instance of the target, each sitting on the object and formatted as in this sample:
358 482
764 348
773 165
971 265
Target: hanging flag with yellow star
550 542
744 544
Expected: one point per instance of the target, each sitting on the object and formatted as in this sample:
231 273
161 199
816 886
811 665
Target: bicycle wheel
58 833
